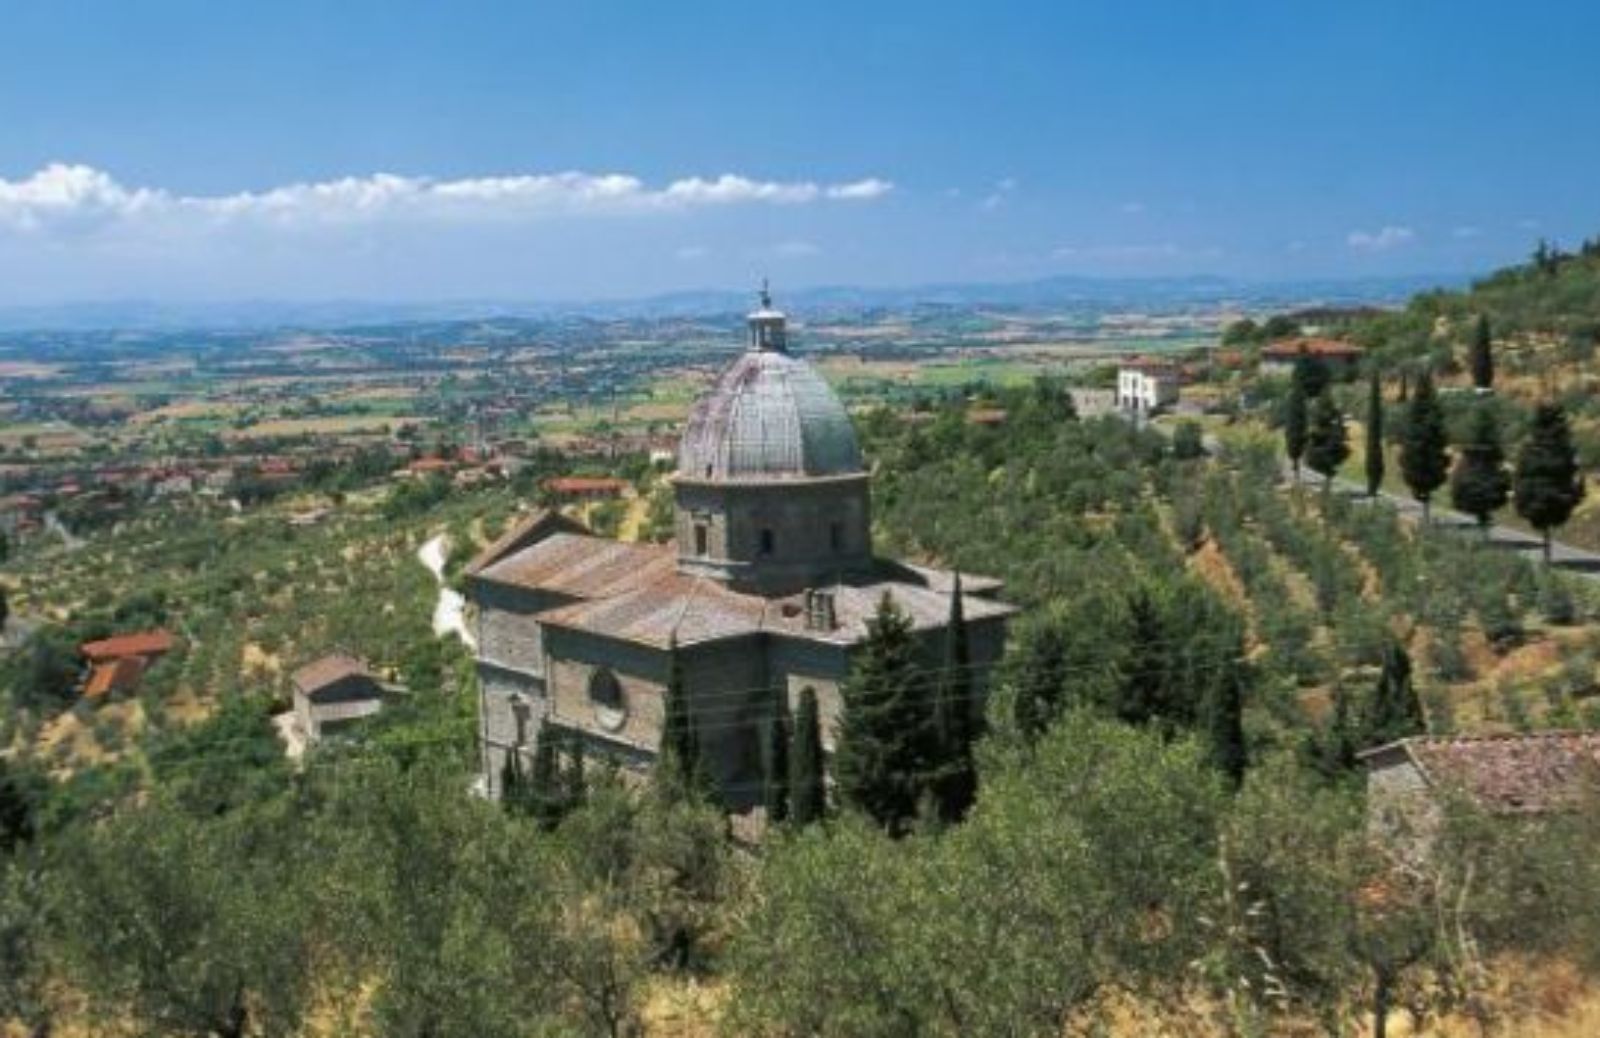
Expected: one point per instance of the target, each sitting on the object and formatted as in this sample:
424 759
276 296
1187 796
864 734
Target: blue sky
408 151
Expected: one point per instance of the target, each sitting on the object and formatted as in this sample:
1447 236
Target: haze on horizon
177 151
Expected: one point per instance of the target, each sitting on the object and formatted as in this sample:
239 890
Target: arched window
609 702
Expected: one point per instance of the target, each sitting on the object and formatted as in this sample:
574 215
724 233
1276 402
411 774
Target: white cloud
1386 238
861 190
61 195
1467 232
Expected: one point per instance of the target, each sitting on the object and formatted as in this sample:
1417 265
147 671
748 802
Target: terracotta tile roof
319 674
582 566
120 675
586 485
143 643
1505 773
1289 349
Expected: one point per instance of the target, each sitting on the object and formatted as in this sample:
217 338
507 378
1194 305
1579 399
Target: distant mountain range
1150 294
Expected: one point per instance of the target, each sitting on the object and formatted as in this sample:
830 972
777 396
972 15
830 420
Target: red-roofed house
586 488
118 664
1280 357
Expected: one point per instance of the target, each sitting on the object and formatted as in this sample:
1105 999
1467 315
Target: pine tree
1482 355
1294 427
1480 484
1394 710
886 738
1142 695
1375 458
1548 484
956 718
775 737
1424 460
1328 444
808 801
678 763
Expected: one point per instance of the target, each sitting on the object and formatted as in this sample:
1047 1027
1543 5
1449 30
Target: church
766 590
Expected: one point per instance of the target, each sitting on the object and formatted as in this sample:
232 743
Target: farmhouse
1505 775
766 591
331 693
1146 385
1280 358
586 488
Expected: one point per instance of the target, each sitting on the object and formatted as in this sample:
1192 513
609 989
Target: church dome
769 416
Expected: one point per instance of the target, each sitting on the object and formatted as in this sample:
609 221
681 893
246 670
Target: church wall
507 632
497 719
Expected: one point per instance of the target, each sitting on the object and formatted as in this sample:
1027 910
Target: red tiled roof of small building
1289 349
142 643
119 675
586 485
1525 773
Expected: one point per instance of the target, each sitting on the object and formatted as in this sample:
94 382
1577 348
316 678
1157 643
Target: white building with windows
1147 386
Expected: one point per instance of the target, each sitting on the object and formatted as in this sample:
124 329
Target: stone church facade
767 589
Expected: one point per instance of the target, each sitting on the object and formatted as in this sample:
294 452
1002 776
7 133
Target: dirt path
450 613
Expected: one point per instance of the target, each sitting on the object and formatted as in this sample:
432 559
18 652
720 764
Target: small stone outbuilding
333 693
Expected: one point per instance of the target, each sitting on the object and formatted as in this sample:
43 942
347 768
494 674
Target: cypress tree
1424 461
1480 483
775 736
1142 695
956 718
513 790
1328 444
1394 710
1405 385
16 811
1311 374
886 738
1224 717
1375 458
544 794
1482 355
1294 427
807 786
577 780
1548 484
678 761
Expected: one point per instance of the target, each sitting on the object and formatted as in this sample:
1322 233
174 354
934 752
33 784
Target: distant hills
1087 293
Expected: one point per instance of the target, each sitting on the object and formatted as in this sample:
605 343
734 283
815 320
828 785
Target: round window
610 705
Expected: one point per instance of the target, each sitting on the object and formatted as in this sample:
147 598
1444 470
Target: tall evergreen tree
1311 374
513 783
5 609
545 795
16 814
1548 484
775 739
886 745
808 801
678 762
1482 355
1480 483
1295 427
1424 460
1394 710
1224 722
956 718
577 780
1328 444
1375 459
1142 694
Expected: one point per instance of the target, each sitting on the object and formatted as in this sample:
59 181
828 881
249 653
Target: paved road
1563 556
